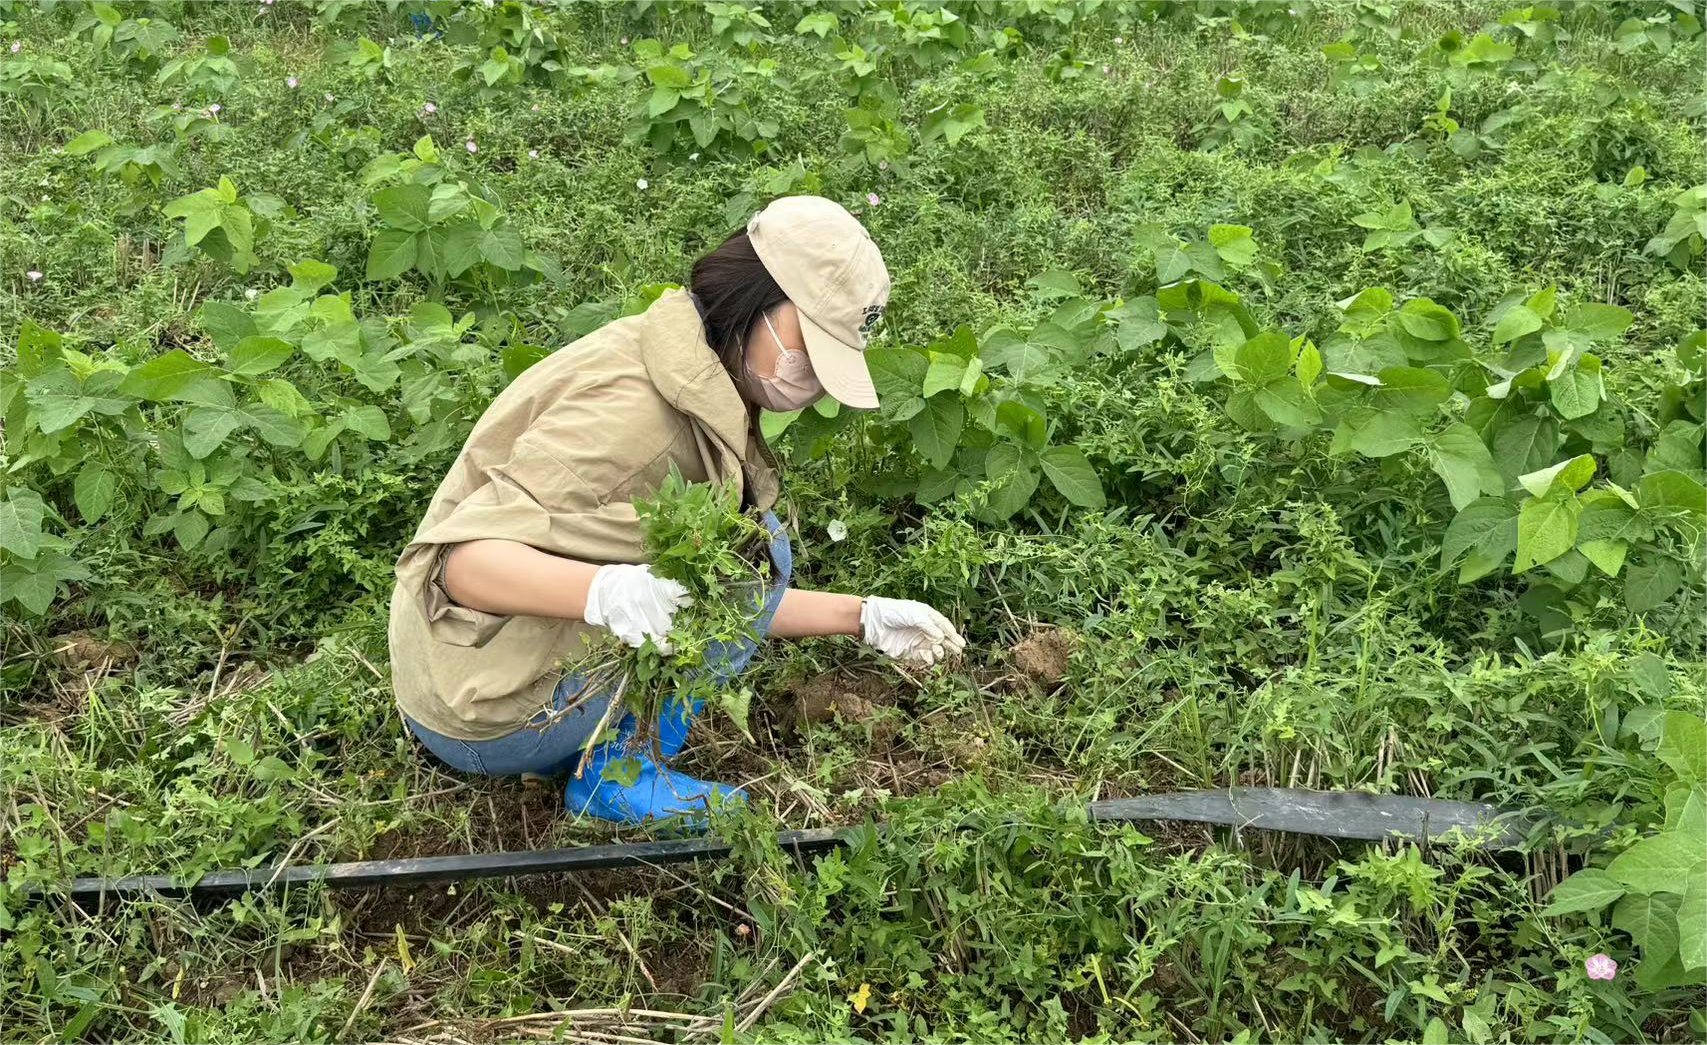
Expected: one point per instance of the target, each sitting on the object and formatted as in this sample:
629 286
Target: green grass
1248 610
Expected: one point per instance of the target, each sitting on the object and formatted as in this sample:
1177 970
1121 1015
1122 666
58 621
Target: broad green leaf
1286 403
1647 585
1598 322
368 421
1138 323
275 426
94 491
1436 1032
1651 920
87 142
309 275
1607 556
1055 283
21 517
1234 244
1376 433
1458 455
461 247
1022 422
1662 863
1525 445
189 528
1575 393
969 380
936 430
1309 365
1546 529
1673 491
503 248
945 372
163 377
1070 472
1487 530
1692 924
1590 889
392 253
1009 465
1683 746
1572 475
898 374
1427 321
1517 321
206 427
1411 388
1264 358
404 206
254 356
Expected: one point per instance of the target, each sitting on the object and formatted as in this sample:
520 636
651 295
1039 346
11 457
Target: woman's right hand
635 605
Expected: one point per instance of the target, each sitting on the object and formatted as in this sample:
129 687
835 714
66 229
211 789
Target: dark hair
734 287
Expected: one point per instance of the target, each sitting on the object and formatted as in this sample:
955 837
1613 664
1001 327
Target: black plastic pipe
1352 815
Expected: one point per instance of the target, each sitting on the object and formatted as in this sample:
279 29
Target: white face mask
793 387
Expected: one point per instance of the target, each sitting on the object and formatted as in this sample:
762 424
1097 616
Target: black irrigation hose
1332 814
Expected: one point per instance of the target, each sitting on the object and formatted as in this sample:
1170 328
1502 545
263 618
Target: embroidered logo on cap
873 313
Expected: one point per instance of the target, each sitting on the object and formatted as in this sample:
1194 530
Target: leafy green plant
1232 120
697 535
437 223
704 97
213 71
221 223
1656 888
34 80
140 168
365 58
1681 241
138 41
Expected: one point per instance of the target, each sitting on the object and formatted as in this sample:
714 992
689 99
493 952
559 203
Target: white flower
625 41
692 156
470 146
251 293
838 530
34 274
329 96
882 165
429 108
535 108
292 82
533 154
214 108
640 183
1119 40
17 45
1105 70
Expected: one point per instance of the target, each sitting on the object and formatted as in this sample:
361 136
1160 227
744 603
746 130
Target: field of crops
1296 394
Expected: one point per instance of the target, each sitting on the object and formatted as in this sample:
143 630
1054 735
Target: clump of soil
834 695
1043 655
81 651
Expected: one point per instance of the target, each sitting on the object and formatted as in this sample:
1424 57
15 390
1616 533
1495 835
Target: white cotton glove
908 630
634 604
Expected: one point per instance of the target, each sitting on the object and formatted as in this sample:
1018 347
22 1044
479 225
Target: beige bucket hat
825 261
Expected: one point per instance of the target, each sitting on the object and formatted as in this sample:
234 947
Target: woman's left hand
908 630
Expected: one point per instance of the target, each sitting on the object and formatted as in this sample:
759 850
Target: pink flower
873 198
177 107
1600 967
214 108
34 274
470 146
17 45
292 82
625 41
429 108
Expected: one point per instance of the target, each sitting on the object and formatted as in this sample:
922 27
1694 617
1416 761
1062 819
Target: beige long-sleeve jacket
556 462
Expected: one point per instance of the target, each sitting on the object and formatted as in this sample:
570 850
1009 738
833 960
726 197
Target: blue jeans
554 748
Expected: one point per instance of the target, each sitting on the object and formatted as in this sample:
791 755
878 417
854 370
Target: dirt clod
80 651
1042 656
834 695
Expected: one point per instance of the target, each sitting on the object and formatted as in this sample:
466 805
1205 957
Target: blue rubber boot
658 793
